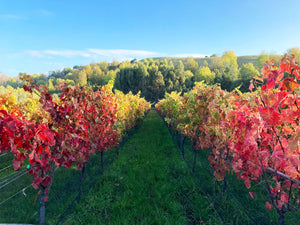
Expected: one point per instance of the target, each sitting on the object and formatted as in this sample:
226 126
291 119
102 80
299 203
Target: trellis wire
12 180
4 154
5 168
10 176
22 190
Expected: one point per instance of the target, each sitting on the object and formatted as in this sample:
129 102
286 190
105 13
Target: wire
5 168
11 176
12 180
3 154
22 190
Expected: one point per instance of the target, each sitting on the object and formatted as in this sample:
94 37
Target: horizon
42 36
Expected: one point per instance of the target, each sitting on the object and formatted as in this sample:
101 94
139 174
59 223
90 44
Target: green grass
148 184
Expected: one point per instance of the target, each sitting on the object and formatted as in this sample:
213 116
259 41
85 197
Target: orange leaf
292 172
289 84
293 141
258 78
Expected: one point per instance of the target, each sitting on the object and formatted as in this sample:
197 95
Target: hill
240 59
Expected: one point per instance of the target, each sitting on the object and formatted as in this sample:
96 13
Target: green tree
191 65
188 80
80 77
261 59
97 77
133 61
51 87
156 84
204 73
216 65
205 63
13 82
114 65
168 72
228 79
110 75
88 70
229 59
231 72
179 77
247 72
124 64
179 68
133 78
69 82
103 66
66 71
60 81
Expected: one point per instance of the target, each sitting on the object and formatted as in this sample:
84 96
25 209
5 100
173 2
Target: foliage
204 73
75 125
254 135
247 72
191 65
262 58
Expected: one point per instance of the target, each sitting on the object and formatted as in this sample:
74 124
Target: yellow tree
204 73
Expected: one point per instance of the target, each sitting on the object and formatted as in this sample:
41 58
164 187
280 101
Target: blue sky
42 35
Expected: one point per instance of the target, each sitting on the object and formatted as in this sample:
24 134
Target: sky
38 36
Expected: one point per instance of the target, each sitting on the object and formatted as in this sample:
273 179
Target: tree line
154 77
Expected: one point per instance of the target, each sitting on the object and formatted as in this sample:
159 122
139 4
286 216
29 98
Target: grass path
148 184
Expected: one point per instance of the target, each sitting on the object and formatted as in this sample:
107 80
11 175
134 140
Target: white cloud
26 16
54 64
195 55
12 17
34 53
68 53
121 52
63 53
92 53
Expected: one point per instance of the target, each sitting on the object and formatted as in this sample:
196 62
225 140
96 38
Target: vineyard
45 134
254 136
248 144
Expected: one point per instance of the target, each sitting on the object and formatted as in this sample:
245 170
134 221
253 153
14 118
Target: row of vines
45 134
254 135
